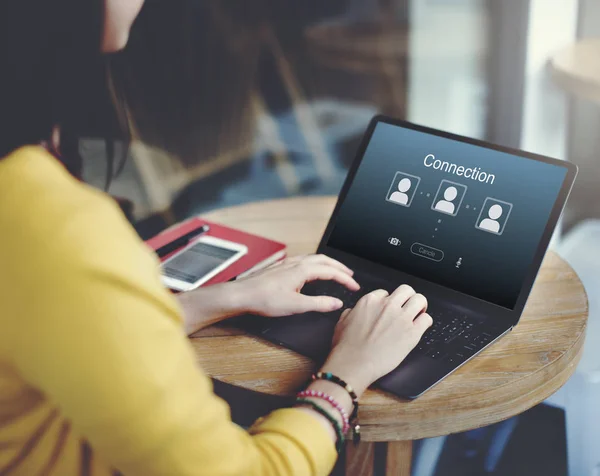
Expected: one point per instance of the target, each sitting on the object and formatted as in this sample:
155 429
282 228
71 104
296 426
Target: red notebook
262 252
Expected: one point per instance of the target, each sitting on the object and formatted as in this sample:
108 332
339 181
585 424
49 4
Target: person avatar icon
446 204
400 195
491 223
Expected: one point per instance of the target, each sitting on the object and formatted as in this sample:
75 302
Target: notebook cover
259 249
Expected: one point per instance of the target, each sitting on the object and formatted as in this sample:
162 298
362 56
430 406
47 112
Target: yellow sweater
96 374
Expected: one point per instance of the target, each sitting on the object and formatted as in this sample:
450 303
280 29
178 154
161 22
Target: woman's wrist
356 375
207 306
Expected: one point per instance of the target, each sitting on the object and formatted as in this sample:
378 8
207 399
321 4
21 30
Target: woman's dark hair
52 73
188 74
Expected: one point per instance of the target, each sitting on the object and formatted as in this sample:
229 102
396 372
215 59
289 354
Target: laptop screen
456 214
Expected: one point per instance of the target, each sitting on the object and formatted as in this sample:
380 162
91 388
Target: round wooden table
518 372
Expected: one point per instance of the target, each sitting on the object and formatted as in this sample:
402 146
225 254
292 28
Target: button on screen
428 252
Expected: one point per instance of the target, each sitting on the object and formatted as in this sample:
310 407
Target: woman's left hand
275 291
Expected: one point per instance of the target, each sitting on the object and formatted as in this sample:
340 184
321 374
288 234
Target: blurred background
232 101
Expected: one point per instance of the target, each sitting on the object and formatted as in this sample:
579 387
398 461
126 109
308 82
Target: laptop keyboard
454 337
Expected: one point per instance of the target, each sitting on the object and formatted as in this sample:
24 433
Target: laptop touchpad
308 334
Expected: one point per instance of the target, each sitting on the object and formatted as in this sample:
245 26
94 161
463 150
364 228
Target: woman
96 373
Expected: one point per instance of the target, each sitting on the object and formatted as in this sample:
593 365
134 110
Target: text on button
428 252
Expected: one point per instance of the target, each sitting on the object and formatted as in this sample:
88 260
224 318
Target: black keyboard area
334 289
453 338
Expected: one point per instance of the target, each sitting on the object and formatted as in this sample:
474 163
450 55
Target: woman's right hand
372 339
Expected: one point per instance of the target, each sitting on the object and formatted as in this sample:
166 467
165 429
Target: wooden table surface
577 69
521 370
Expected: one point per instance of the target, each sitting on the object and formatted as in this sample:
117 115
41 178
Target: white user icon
400 196
491 223
446 205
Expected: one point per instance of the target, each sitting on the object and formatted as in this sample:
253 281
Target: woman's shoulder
62 244
42 205
36 188
27 162
31 180
57 231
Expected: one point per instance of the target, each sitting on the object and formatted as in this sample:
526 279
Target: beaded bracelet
336 424
338 381
332 401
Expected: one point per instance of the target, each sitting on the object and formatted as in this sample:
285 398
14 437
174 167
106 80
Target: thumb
304 303
345 314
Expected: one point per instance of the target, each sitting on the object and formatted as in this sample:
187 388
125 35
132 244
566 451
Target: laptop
464 222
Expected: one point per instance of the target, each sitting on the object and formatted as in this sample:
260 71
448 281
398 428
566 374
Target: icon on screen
403 189
449 197
493 216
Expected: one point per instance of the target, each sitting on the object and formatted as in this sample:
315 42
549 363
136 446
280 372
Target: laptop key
420 349
437 354
449 338
454 359
469 349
